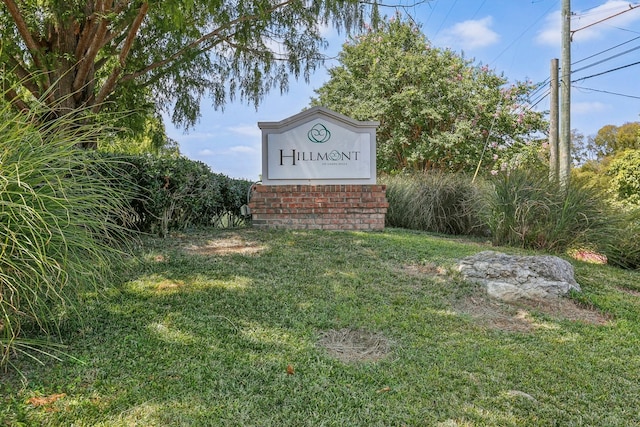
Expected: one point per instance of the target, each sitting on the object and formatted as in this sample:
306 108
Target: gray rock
512 277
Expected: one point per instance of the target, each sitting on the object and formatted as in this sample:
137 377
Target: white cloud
550 34
247 130
551 31
588 107
470 34
242 149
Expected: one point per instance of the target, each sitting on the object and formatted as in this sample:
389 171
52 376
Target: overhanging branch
199 41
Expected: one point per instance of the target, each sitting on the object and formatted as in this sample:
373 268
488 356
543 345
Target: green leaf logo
319 134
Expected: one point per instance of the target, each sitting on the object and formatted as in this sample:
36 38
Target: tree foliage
105 55
612 139
437 110
613 162
624 175
152 140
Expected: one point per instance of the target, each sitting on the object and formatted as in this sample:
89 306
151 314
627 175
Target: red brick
344 207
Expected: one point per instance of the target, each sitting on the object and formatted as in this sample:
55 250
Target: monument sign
319 172
318 146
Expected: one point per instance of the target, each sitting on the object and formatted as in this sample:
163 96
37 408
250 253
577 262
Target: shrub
175 193
61 225
434 201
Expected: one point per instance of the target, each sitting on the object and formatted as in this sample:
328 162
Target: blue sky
515 37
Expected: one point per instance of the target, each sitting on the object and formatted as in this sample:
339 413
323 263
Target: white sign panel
318 146
319 149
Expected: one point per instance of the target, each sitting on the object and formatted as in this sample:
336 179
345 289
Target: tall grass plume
61 225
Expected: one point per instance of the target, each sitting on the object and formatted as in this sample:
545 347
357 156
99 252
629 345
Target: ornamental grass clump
623 248
528 211
62 226
439 202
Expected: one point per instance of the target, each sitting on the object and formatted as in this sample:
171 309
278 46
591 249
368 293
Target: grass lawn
284 328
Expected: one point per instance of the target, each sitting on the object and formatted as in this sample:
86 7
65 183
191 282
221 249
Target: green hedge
174 193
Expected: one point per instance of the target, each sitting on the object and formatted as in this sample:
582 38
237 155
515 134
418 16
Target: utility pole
554 123
564 146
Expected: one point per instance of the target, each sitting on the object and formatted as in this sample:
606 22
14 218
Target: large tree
437 110
141 55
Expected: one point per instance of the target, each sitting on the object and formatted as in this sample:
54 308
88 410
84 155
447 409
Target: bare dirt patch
518 316
229 245
353 345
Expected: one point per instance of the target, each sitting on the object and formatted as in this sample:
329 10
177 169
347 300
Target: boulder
512 277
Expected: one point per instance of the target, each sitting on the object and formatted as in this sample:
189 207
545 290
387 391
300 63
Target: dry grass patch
511 316
429 269
567 309
170 285
232 244
354 345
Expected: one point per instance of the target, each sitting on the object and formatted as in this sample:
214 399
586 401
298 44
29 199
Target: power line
478 9
625 29
540 99
539 87
604 19
584 13
631 7
525 31
435 4
606 50
606 59
605 72
607 92
446 17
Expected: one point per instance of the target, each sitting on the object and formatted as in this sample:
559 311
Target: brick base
325 207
